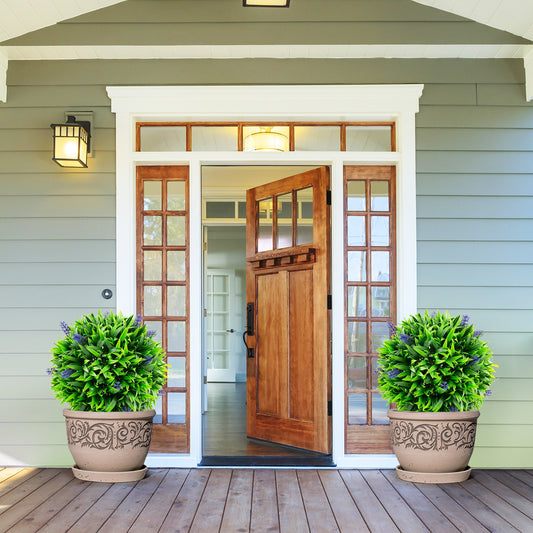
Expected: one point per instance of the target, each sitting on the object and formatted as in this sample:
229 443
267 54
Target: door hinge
328 197
330 407
330 302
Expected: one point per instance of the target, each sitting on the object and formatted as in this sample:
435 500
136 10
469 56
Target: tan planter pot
109 447
433 447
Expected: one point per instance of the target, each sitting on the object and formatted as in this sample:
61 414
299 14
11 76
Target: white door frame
397 103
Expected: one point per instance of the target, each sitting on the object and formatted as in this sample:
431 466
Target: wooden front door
288 321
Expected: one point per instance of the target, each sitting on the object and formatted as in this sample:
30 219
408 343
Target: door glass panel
380 266
176 266
176 300
379 192
216 138
152 232
152 196
220 283
356 301
220 302
380 301
156 327
176 372
308 138
380 332
163 138
368 138
356 266
284 222
158 418
379 231
220 209
153 270
176 337
379 409
176 231
375 376
356 408
304 222
176 196
357 372
220 322
176 407
153 301
357 337
356 231
220 360
356 196
264 214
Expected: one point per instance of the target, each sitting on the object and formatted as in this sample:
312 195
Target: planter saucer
109 477
433 477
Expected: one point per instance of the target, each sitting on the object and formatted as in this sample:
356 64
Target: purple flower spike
67 373
127 409
392 328
465 320
151 332
488 392
406 338
65 327
80 339
474 360
117 385
50 371
444 385
394 373
478 332
161 392
148 360
138 320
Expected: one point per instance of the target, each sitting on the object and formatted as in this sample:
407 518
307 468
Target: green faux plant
435 362
107 362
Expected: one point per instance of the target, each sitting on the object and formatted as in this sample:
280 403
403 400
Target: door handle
249 329
230 330
249 351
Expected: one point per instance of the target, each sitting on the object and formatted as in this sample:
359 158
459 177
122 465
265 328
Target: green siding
474 208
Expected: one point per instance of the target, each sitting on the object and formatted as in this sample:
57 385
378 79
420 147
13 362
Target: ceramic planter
433 447
109 447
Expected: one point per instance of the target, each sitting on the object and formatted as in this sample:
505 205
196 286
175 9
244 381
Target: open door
288 317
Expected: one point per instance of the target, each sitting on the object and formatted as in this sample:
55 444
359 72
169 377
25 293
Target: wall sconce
265 3
266 140
72 142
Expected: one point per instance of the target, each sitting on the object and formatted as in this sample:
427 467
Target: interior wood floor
224 426
258 500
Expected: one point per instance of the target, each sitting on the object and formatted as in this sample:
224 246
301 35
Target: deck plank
425 510
183 509
319 514
22 483
371 508
347 515
522 475
211 509
292 517
155 511
238 504
6 473
513 483
264 515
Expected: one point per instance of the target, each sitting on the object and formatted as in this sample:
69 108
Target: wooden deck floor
262 500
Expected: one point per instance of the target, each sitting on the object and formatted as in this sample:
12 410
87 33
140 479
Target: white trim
3 76
248 103
528 67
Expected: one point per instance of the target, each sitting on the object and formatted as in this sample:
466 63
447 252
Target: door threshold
266 460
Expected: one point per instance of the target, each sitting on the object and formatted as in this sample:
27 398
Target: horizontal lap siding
474 202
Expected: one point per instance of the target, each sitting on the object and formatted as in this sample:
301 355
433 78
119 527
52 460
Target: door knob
230 330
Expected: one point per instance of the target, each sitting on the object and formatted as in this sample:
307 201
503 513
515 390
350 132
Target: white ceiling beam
528 66
3 76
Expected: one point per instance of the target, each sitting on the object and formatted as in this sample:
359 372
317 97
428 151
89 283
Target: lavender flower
127 409
394 373
454 409
50 371
67 373
444 385
138 320
161 392
151 332
464 320
474 360
65 327
406 338
117 385
488 392
392 329
148 360
80 339
478 332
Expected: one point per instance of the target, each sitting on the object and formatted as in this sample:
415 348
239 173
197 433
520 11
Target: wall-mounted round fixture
107 293
266 140
71 143
265 3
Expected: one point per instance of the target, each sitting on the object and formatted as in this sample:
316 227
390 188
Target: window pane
264 213
284 225
176 402
176 231
356 196
176 372
265 138
176 266
152 232
379 192
304 223
356 266
176 337
153 270
220 209
356 231
380 301
157 327
380 266
357 337
158 418
379 231
220 283
356 408
375 367
379 409
217 138
176 196
308 138
242 210
368 138
356 301
357 373
163 138
176 299
380 332
152 196
153 301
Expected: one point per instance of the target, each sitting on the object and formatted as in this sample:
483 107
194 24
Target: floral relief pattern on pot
112 436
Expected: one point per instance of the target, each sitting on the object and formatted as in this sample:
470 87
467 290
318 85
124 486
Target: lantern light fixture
265 3
72 142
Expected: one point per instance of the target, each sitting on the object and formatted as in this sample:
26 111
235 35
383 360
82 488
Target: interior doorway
225 361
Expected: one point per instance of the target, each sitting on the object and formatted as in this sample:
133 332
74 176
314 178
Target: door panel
288 379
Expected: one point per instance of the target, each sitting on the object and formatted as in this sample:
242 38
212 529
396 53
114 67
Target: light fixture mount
266 3
72 141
